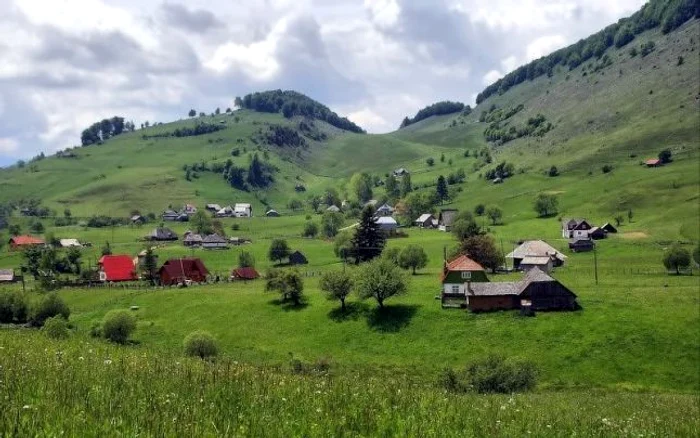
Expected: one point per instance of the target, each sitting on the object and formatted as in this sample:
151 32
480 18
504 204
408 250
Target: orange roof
653 161
26 240
464 263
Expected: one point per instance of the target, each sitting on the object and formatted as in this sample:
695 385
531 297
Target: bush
200 344
48 306
496 375
117 325
56 327
13 307
607 168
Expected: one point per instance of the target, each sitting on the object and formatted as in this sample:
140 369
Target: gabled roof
496 288
463 263
272 212
386 207
26 240
247 273
183 268
424 217
609 227
386 220
214 238
163 234
70 243
7 275
447 217
333 208
118 267
193 238
536 260
535 248
575 223
652 161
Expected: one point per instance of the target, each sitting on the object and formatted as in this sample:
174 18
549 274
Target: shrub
676 259
495 374
13 307
451 381
607 168
117 325
56 327
553 171
48 306
200 344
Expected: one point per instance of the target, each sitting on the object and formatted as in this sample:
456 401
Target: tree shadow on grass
288 305
352 312
391 319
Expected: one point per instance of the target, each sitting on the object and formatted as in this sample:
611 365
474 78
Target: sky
65 64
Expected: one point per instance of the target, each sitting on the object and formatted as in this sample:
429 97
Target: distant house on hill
243 210
272 213
574 228
162 235
536 291
173 216
609 228
247 273
535 248
70 243
137 219
189 209
581 244
116 268
7 276
455 275
426 220
400 172
446 218
653 162
227 211
180 271
140 257
384 210
297 258
22 242
214 241
597 233
387 225
192 239
213 208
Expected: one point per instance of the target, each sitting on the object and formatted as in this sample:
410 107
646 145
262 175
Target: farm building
213 208
573 228
189 209
115 268
162 235
536 291
609 228
455 275
400 172
247 273
446 218
180 271
297 258
70 243
597 233
581 244
137 219
387 224
243 210
225 212
192 239
7 276
426 220
214 241
272 213
535 248
653 162
22 242
239 240
384 210
173 216
543 263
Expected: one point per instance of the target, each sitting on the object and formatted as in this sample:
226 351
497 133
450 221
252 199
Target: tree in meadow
676 259
413 257
337 285
368 242
380 279
279 250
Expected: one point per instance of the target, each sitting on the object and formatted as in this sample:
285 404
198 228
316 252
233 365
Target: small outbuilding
535 248
7 276
446 218
214 241
272 213
597 233
581 245
426 220
181 271
162 235
609 228
247 273
192 239
297 258
543 263
213 208
22 242
387 225
70 243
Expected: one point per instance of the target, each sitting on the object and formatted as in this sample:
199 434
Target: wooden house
446 218
162 234
455 276
243 210
23 242
581 244
426 220
575 228
535 248
214 241
387 225
182 271
297 258
597 233
384 210
189 210
192 239
247 273
170 215
609 228
543 263
117 268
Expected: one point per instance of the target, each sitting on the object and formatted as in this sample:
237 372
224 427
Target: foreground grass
86 388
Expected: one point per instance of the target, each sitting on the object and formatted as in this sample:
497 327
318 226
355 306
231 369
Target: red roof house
19 242
653 162
176 271
248 273
117 268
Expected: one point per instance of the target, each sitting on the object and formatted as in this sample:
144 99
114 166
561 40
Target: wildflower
318 410
81 358
108 361
284 399
26 407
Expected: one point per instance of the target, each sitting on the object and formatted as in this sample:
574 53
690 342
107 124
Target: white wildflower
108 361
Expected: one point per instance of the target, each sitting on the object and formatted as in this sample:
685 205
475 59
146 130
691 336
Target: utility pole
595 263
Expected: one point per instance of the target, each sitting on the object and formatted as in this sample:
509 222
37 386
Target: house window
455 288
466 275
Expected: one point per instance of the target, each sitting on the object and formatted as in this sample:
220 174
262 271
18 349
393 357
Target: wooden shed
178 271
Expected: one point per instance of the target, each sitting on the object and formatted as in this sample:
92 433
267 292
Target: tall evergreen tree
368 242
406 186
441 189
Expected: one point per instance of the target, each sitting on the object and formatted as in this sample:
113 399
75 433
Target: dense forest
290 103
667 14
436 109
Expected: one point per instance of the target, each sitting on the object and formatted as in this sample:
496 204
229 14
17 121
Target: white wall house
243 210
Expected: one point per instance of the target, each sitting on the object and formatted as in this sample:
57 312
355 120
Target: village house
400 172
535 248
182 271
137 219
653 162
455 275
297 258
162 235
387 225
189 210
597 233
7 276
426 220
212 208
609 228
543 263
214 241
23 242
272 213
247 273
225 212
581 244
70 243
575 228
192 239
243 210
173 216
446 218
536 291
384 210
116 268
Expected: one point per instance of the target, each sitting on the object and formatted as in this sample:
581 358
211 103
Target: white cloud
491 77
384 13
544 45
369 120
8 145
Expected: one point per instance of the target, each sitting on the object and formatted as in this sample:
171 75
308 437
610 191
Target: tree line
436 109
667 14
258 174
101 131
291 103
200 128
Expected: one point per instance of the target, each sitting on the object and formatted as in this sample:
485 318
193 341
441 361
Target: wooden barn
597 233
179 271
609 228
247 273
581 244
22 242
535 248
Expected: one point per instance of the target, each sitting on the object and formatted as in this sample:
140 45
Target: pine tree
150 266
441 190
368 242
406 186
